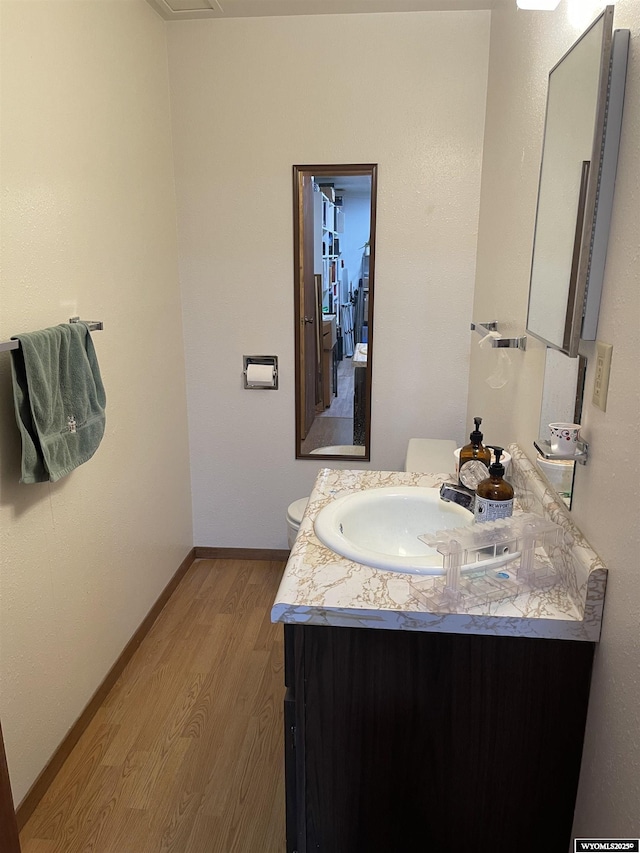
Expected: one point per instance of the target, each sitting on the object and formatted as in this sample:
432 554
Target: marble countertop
360 355
321 588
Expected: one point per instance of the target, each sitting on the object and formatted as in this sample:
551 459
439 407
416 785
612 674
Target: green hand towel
59 400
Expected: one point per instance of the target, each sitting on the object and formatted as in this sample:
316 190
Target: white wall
252 97
524 46
88 228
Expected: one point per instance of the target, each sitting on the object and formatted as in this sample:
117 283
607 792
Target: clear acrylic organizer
493 561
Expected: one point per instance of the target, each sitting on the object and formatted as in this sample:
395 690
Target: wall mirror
577 176
334 223
562 397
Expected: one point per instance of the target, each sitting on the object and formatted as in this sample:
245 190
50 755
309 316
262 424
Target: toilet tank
430 456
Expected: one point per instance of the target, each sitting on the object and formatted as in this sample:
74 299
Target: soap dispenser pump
473 466
494 496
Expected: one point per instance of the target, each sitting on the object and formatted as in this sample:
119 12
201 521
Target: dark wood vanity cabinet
408 741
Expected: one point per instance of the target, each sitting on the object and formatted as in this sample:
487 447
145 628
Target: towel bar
511 343
94 326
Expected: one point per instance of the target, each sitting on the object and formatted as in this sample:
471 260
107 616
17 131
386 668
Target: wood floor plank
174 816
37 845
251 800
170 714
241 594
268 633
133 774
83 826
271 681
185 755
222 787
214 646
205 834
57 807
222 576
159 767
128 833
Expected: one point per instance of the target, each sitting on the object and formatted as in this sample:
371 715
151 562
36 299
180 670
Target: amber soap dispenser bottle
494 496
473 465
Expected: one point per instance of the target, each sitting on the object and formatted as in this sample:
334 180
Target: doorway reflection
335 218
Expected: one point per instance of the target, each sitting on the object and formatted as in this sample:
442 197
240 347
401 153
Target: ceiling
177 10
353 184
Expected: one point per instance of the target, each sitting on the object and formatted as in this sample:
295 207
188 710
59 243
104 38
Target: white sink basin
380 527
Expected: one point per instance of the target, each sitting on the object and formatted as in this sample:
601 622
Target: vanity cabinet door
438 742
294 746
291 802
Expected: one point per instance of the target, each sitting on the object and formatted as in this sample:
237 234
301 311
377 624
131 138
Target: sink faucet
455 493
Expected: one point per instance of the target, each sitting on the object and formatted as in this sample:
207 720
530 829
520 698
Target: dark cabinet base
405 741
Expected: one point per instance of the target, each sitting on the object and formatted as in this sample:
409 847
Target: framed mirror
577 176
334 226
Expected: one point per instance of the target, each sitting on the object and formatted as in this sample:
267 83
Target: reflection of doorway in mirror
341 238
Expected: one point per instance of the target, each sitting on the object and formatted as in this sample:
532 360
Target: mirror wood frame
303 176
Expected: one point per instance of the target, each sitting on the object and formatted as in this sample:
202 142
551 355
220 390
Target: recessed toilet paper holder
264 383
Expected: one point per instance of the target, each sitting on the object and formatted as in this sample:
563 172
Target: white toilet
559 472
339 450
295 511
430 456
424 455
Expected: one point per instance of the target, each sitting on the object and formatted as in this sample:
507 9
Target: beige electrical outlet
601 380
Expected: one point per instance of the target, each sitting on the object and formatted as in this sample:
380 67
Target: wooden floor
334 425
327 432
186 752
341 405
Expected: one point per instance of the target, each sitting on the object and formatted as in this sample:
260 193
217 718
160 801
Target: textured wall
88 228
524 46
252 97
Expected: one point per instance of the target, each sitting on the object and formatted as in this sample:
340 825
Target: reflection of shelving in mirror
329 222
341 231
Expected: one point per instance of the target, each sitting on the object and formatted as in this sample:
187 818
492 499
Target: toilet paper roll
261 374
